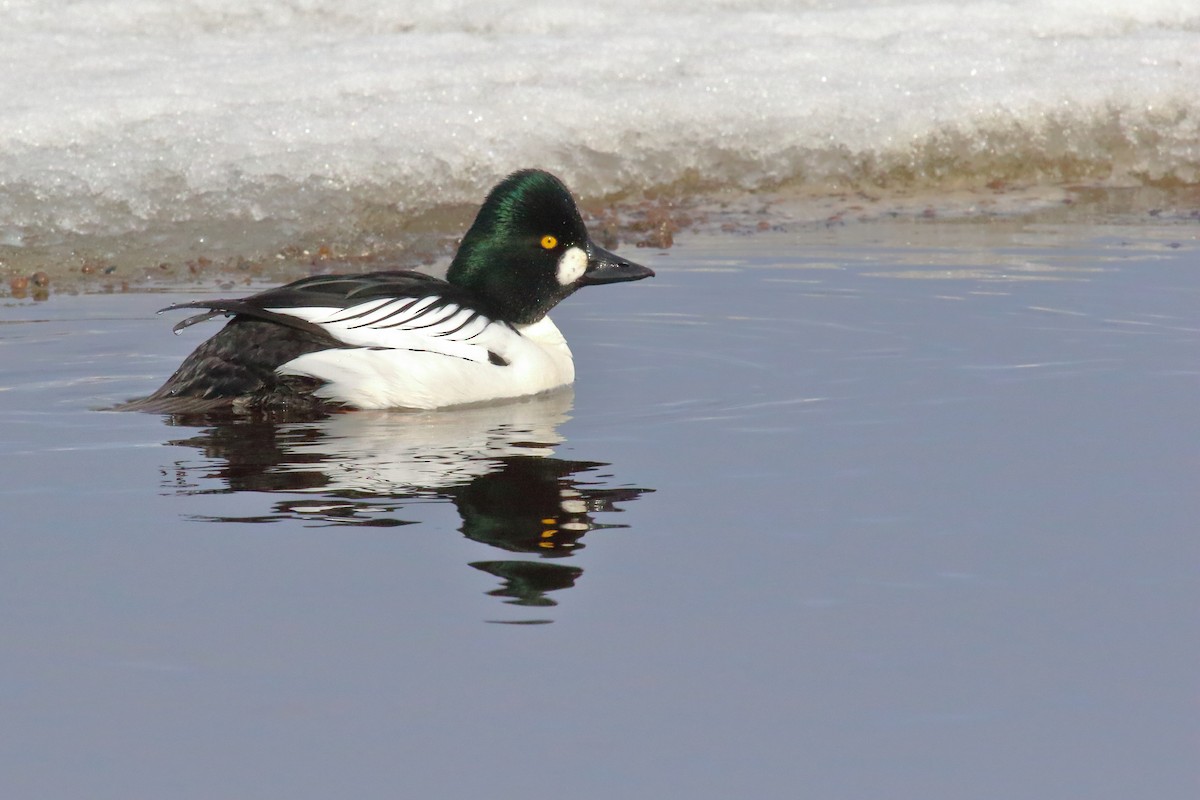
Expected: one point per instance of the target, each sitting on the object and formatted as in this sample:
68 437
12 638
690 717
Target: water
882 510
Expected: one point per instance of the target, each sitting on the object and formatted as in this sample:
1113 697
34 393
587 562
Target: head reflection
494 464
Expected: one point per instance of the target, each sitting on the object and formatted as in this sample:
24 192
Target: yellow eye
549 242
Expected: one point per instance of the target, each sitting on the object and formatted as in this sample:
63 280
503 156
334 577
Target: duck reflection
495 464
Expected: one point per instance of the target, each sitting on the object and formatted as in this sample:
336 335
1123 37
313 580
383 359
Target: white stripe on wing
423 324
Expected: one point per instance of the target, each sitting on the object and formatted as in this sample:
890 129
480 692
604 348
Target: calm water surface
902 511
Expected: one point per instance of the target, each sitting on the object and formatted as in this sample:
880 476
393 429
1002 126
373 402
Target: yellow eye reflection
549 242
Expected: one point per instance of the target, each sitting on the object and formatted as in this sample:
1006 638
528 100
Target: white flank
413 368
571 265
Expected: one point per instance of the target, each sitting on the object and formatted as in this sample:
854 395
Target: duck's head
528 249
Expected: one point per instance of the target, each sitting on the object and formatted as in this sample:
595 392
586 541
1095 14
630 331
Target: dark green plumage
521 210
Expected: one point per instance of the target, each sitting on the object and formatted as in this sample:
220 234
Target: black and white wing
381 310
431 323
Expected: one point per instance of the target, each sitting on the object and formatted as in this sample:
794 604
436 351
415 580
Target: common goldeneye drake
404 339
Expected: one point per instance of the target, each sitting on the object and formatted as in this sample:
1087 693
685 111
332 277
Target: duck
402 339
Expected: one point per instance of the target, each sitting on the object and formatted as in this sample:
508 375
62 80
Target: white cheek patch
571 266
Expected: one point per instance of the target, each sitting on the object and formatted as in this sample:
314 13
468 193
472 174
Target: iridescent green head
528 249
